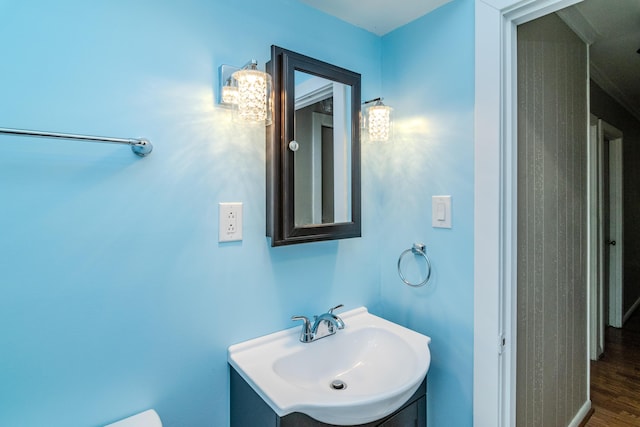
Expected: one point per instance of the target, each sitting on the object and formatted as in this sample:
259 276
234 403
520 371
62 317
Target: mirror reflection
322 161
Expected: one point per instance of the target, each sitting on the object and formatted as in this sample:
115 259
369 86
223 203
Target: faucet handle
339 322
335 308
306 335
304 319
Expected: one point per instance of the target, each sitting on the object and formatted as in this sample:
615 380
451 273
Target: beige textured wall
552 290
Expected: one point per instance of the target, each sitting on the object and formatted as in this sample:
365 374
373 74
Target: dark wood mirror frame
280 160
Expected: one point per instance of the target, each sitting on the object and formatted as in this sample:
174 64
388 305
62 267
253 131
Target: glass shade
378 122
253 96
230 95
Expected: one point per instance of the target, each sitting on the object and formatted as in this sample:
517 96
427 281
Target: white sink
381 363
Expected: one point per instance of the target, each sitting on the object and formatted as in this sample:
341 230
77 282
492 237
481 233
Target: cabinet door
411 416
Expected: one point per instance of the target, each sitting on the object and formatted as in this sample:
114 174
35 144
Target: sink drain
338 385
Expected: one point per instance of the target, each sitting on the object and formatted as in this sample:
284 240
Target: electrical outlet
230 222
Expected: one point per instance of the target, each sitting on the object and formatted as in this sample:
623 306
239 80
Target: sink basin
361 374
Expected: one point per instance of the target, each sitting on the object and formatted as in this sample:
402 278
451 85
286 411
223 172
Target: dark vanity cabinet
249 410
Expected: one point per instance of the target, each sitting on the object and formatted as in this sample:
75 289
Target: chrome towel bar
140 146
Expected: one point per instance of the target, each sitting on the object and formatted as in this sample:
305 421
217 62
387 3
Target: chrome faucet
323 325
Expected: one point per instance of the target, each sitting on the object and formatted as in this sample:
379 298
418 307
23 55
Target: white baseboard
581 415
629 312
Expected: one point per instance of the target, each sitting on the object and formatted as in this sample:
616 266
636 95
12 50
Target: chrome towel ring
417 249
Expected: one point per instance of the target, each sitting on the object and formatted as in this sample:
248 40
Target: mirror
313 151
322 156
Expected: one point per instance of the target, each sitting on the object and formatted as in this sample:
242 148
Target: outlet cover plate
230 222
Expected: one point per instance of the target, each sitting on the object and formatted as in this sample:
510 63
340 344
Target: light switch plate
441 211
230 222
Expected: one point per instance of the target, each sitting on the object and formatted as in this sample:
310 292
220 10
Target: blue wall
428 77
115 294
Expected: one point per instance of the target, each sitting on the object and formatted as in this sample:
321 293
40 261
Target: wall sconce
377 121
247 91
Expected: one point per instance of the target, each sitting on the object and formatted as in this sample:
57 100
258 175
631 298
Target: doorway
495 209
552 211
495 224
606 228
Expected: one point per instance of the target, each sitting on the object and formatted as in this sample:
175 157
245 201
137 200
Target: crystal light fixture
377 121
254 87
247 91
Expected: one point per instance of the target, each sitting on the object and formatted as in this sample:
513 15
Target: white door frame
615 231
600 233
595 273
495 180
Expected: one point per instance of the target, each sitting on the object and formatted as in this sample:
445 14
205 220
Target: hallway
615 378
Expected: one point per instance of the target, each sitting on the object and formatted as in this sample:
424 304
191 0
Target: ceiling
611 27
376 16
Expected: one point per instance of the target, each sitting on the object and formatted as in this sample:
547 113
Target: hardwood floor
615 378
